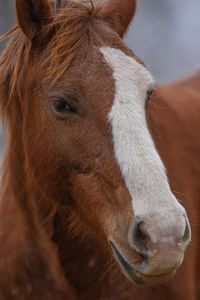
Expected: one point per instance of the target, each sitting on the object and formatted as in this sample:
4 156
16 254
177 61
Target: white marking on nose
139 162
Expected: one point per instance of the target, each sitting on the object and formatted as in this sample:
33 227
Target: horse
86 207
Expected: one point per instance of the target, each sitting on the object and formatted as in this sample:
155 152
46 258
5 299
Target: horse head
80 95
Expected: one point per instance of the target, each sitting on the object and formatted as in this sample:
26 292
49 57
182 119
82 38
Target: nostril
140 238
186 235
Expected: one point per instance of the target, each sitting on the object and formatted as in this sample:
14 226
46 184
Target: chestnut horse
84 191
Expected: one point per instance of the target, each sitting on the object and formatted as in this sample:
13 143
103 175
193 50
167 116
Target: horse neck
14 185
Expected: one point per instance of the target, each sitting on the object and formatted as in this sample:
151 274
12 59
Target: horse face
90 150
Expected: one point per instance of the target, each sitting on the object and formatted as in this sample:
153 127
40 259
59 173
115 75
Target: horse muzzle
150 256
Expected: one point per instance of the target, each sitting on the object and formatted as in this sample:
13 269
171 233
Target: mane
69 31
73 31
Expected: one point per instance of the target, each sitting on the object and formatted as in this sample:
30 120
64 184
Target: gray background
165 34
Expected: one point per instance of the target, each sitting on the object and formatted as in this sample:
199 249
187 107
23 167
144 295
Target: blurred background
165 34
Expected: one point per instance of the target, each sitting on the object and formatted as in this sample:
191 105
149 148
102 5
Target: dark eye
62 106
149 93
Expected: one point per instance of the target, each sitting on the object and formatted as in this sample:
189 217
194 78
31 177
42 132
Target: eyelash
61 106
148 95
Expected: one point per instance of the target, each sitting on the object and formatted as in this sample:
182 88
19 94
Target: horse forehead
128 69
115 72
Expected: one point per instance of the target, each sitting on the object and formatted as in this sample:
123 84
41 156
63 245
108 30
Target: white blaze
139 162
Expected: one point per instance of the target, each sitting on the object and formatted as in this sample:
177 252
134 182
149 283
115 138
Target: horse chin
136 276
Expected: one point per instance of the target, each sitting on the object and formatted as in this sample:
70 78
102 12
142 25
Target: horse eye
149 93
62 106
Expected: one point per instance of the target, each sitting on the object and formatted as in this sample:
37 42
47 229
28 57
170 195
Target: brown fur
62 192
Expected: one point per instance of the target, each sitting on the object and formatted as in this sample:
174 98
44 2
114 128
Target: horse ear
32 15
118 14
